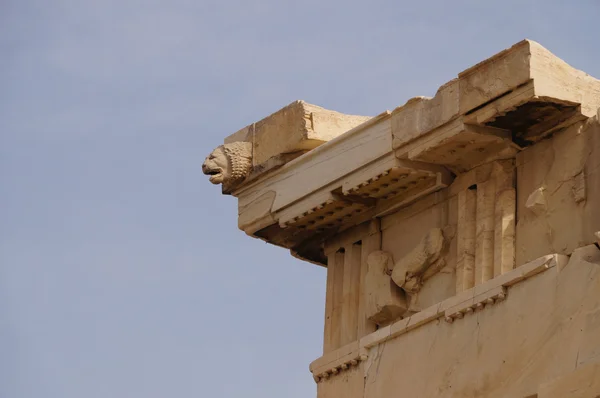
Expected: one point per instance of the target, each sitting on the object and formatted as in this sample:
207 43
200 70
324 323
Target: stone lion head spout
229 165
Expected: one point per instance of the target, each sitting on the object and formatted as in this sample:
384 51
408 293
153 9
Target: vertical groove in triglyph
465 263
484 246
504 239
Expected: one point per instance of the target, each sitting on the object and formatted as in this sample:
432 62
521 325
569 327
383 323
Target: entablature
314 173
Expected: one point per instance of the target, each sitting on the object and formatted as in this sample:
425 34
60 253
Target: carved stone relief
384 301
229 165
420 263
449 162
536 202
387 301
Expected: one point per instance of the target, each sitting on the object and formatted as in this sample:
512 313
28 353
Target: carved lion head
229 164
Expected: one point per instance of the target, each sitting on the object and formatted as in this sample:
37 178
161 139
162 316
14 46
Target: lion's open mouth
216 175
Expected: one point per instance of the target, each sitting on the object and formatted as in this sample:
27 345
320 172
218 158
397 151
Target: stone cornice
323 181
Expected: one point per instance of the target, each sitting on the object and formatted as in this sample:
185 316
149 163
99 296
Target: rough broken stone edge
338 361
304 159
453 308
465 302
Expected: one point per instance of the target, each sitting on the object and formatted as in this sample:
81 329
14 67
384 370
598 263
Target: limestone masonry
460 233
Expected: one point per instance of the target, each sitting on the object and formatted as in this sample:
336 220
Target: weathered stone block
298 127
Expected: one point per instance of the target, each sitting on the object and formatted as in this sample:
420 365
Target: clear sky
122 271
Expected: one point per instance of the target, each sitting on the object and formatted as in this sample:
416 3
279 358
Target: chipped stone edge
335 362
454 308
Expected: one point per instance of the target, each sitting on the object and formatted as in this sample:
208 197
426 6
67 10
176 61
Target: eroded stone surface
460 233
385 302
409 272
508 350
536 202
558 191
229 165
298 127
583 382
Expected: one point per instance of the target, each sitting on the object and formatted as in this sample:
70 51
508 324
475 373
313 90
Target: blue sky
122 271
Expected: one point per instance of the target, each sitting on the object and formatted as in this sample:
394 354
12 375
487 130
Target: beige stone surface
421 114
465 240
584 382
384 301
338 361
332 358
257 214
333 304
495 76
300 126
490 112
403 232
326 164
589 350
348 384
350 287
470 306
460 146
460 233
508 350
410 271
229 165
525 88
525 61
552 216
371 242
475 299
351 293
484 231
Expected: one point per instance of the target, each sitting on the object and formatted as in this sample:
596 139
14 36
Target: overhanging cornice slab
323 182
